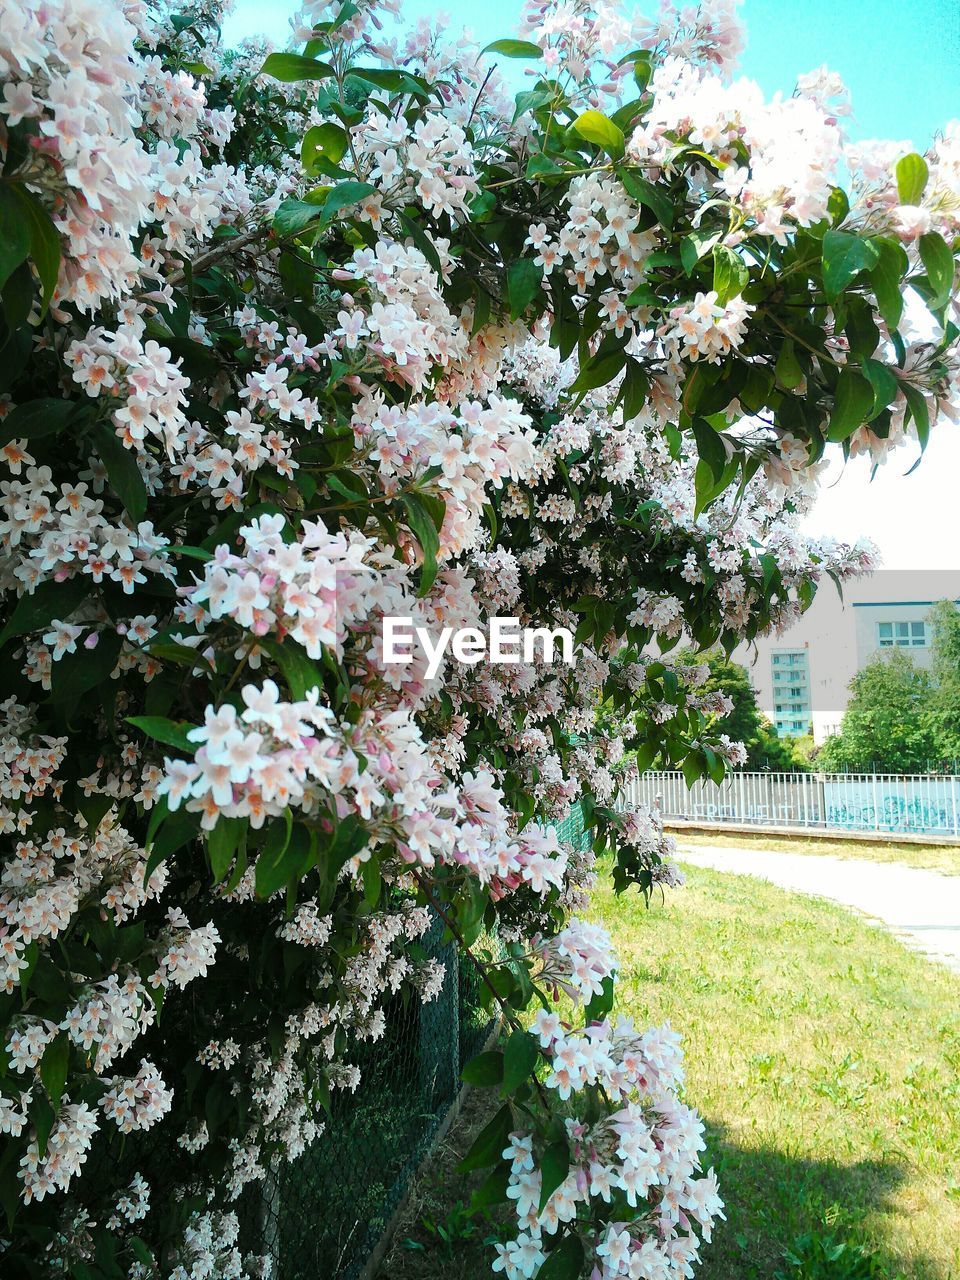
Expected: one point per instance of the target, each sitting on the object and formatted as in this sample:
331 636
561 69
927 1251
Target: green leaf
392 81
192 553
489 1142
299 670
532 100
634 390
853 404
883 382
554 1167
484 1070
838 206
17 298
143 1252
294 215
14 234
693 768
10 1186
158 815
36 418
123 471
710 447
521 1054
938 261
642 296
789 371
523 284
493 1189
93 808
861 326
274 867
222 844
540 166
173 733
730 275
343 196
44 243
912 174
642 71
348 840
705 486
514 49
887 277
53 1068
565 1262
595 127
424 527
599 370
648 195
290 67
75 673
43 1116
844 257
372 882
323 142
50 600
601 1003
423 241
175 830
694 246
919 410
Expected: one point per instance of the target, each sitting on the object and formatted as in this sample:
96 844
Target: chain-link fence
322 1216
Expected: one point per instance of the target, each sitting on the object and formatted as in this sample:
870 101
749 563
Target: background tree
887 725
945 706
745 722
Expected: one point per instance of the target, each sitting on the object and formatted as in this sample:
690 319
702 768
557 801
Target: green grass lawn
826 1061
930 857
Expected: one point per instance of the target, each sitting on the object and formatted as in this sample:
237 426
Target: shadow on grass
800 1219
788 1218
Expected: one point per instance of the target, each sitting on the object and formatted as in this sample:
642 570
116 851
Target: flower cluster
481 446
647 1149
432 163
310 589
209 1252
706 330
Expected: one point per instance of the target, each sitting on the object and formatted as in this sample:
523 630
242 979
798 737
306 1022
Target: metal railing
921 804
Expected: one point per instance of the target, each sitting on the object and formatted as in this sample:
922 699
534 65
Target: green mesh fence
323 1215
572 830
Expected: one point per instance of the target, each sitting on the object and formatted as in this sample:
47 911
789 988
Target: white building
802 677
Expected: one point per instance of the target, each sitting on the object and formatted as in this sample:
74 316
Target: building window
902 635
791 677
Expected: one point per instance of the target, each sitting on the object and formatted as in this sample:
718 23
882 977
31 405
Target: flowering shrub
295 341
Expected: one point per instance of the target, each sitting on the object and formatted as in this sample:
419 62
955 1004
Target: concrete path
922 907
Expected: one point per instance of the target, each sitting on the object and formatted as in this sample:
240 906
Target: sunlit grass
825 1058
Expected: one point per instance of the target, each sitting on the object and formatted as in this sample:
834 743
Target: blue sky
900 58
901 61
